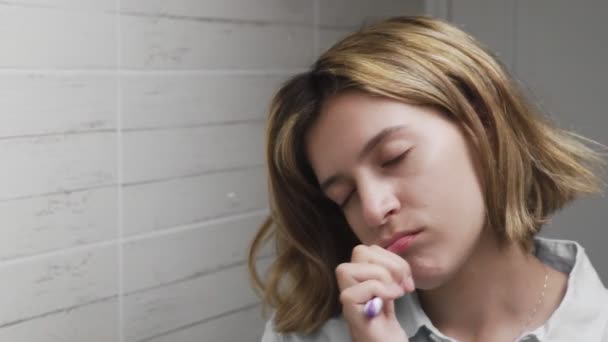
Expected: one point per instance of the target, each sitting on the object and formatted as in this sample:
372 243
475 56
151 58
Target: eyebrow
369 146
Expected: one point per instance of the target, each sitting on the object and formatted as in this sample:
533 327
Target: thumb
389 307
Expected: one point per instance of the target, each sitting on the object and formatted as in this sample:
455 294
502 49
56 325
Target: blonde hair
529 168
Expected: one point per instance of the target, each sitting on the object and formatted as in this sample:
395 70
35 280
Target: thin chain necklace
538 303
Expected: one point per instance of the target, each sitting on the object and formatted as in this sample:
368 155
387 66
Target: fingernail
408 284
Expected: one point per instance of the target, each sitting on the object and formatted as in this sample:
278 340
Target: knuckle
400 273
386 274
341 269
345 297
399 269
376 286
400 265
404 267
359 251
376 247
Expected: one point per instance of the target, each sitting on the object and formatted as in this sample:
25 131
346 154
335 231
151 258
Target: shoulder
270 335
586 300
334 330
605 315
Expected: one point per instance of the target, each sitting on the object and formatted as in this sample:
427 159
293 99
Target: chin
428 276
426 284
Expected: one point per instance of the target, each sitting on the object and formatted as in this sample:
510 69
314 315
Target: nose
378 201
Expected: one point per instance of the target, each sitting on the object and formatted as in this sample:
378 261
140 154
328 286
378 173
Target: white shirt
581 316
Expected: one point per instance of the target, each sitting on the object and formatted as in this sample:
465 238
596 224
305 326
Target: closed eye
345 202
395 160
388 163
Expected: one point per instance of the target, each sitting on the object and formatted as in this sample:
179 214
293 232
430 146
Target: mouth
400 242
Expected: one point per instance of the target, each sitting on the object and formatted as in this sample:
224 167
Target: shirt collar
583 307
583 302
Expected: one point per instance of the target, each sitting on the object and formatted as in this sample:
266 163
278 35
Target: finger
405 269
389 308
396 265
362 292
350 274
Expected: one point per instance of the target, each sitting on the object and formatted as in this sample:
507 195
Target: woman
406 166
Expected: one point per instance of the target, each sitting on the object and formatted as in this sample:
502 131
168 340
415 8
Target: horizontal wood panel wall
131 140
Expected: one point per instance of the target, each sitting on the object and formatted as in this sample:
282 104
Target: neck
498 287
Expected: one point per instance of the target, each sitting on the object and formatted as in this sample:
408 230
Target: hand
373 272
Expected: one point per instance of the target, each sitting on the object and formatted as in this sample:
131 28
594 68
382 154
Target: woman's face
396 168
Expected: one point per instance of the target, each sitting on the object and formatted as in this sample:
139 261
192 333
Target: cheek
357 227
447 192
466 193
451 189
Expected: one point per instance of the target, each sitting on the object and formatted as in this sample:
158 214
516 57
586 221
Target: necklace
538 303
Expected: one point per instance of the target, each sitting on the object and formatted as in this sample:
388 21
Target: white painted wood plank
186 254
328 37
353 13
292 11
56 39
153 155
39 103
97 322
151 43
161 100
439 9
561 55
40 165
160 205
246 325
47 223
81 5
572 87
489 21
157 311
42 285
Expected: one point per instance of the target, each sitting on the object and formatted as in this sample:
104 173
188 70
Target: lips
400 242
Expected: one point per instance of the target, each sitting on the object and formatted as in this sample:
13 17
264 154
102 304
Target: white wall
558 51
132 162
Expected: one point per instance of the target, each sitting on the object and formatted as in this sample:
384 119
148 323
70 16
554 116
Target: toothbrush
373 307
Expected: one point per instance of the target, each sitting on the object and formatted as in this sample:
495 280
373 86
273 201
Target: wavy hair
529 167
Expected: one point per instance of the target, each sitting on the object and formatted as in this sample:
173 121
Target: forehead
357 115
347 121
